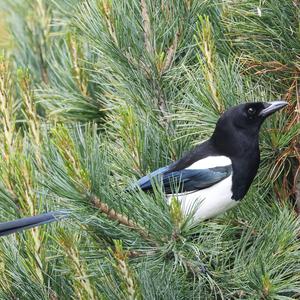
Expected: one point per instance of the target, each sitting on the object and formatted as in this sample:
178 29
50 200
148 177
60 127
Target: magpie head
245 120
250 116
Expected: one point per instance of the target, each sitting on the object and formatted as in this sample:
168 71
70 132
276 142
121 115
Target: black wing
186 180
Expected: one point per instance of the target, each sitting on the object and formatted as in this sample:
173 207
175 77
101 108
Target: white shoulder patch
211 162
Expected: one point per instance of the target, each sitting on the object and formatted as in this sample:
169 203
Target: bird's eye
251 111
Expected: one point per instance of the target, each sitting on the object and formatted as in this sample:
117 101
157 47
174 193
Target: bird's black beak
271 107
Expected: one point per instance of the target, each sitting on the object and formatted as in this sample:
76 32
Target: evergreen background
96 93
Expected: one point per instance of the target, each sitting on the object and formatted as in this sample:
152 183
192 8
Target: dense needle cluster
96 94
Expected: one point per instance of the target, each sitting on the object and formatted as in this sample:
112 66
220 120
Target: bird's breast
207 203
212 201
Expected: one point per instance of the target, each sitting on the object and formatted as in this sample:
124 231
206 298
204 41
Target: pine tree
97 93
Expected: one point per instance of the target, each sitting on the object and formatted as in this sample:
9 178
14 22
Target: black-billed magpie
217 174
210 179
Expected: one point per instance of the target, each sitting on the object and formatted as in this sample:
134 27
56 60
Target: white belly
209 202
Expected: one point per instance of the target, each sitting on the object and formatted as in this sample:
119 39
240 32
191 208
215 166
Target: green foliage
95 94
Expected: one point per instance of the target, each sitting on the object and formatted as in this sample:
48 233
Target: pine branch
106 10
6 106
78 72
82 285
146 27
208 61
125 272
135 63
120 218
170 54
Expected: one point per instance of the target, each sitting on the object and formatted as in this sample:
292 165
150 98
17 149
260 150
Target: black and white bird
210 179
217 174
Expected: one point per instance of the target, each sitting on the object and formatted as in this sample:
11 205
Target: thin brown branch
170 53
43 65
139 253
297 186
266 67
162 105
290 187
146 27
120 218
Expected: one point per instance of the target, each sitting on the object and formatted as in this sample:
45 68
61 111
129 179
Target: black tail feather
30 222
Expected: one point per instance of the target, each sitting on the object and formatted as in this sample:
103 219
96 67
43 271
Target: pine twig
75 54
81 278
6 107
106 10
125 272
30 112
146 27
208 61
122 219
170 53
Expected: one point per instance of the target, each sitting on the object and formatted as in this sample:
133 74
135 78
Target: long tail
26 223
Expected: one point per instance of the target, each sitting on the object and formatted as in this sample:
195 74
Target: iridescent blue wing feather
186 180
